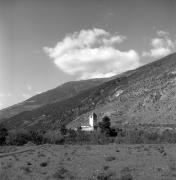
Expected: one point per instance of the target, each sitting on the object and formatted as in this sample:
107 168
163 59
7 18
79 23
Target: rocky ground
91 162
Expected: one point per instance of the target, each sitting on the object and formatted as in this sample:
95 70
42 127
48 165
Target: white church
92 123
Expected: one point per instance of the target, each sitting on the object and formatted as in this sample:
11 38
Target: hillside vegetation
57 94
146 95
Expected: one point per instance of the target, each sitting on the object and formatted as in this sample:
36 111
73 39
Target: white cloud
29 87
162 33
160 46
160 52
157 42
92 54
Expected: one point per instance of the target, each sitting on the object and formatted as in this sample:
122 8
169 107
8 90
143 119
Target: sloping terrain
57 94
149 98
63 112
145 95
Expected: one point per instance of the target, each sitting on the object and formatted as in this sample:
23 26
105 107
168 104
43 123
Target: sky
44 43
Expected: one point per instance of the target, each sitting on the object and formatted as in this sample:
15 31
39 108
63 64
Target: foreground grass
89 162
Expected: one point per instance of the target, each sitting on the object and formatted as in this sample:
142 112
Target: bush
126 174
36 137
97 137
21 137
43 164
63 130
63 173
104 175
3 134
110 158
141 135
53 137
105 124
103 135
18 137
71 136
82 137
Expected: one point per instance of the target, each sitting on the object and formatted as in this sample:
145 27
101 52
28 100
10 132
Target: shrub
104 175
18 137
53 137
43 164
126 177
112 132
36 137
21 137
110 158
63 173
63 130
82 137
3 134
97 137
71 136
168 136
126 174
134 136
105 125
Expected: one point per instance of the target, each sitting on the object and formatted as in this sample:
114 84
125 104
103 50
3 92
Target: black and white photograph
87 89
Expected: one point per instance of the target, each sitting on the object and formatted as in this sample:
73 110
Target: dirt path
15 152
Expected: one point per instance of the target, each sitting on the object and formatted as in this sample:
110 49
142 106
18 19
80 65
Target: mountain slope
57 94
63 112
149 98
144 95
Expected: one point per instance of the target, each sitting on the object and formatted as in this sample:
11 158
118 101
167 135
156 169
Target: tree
63 130
79 128
3 134
105 125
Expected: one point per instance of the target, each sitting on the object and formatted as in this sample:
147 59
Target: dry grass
93 162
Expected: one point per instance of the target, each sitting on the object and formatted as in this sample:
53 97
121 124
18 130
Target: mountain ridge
64 91
144 95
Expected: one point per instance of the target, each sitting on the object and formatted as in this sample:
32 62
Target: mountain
149 97
146 95
57 94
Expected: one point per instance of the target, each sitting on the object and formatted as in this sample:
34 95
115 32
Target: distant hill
146 95
57 94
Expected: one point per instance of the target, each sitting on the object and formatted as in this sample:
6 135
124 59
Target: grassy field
88 162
